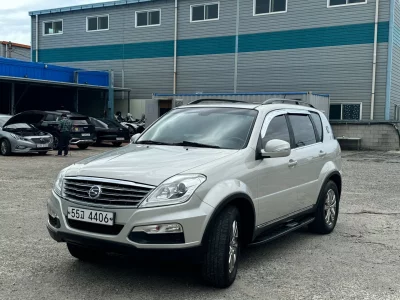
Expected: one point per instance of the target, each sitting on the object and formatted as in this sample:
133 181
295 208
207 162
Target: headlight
58 184
175 190
19 138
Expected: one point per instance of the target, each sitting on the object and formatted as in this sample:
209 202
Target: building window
397 113
97 23
53 27
262 7
204 12
345 2
148 18
345 111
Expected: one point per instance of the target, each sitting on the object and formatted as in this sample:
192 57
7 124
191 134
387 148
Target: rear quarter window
318 125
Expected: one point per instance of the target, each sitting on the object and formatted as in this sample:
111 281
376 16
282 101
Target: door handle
321 153
292 163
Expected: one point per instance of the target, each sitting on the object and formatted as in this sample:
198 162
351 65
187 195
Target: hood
29 117
146 164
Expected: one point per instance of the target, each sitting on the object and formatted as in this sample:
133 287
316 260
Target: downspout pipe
175 46
235 79
37 39
6 50
390 61
374 60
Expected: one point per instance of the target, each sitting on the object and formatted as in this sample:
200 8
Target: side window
303 130
50 118
318 125
277 129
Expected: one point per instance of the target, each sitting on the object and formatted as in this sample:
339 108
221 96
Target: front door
277 195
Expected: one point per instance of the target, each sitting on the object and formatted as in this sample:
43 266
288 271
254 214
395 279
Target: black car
82 133
110 131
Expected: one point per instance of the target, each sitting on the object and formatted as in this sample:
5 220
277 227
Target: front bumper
19 146
80 141
193 216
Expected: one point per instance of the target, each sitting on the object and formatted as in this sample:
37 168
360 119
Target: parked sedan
110 131
16 137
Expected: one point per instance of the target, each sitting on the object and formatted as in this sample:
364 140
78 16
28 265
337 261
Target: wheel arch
247 212
336 177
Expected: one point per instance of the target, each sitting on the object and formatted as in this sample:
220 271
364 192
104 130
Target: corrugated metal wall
311 47
16 52
395 86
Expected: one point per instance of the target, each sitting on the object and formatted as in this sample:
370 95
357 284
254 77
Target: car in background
109 131
82 133
18 137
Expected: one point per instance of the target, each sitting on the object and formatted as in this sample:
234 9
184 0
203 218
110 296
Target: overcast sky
15 21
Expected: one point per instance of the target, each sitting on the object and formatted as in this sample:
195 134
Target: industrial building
15 50
38 86
348 49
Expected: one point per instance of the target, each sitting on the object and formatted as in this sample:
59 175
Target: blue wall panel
41 71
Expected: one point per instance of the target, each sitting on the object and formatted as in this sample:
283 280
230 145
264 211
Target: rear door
307 156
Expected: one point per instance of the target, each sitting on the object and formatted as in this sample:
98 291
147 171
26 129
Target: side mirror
276 148
134 138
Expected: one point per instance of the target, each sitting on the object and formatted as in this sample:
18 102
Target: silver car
16 137
205 179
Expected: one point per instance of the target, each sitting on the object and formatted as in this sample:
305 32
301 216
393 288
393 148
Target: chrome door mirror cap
134 138
276 148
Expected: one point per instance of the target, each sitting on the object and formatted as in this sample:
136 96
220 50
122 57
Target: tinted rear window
303 130
80 122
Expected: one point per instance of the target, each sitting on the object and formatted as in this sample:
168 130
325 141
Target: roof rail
287 101
218 100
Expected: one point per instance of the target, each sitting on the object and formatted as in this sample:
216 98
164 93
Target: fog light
21 147
159 229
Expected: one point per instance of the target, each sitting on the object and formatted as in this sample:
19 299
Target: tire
216 268
5 147
83 146
117 144
85 254
43 153
55 142
329 198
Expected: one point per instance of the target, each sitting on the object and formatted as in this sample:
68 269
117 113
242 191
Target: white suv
207 179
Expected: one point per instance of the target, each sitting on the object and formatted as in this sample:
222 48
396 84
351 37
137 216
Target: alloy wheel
330 207
233 247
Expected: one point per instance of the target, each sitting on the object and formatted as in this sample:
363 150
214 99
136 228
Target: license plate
120 139
85 134
42 145
91 216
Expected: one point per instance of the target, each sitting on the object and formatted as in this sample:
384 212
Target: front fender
226 189
226 192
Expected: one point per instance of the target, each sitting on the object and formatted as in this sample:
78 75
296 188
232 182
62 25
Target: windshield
227 128
3 120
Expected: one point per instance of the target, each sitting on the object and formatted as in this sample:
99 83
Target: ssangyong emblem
94 192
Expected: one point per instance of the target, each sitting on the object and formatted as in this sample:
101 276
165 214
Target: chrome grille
113 192
41 140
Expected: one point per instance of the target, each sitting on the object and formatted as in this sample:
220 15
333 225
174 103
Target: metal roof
86 6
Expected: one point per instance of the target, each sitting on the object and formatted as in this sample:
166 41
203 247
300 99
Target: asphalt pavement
359 260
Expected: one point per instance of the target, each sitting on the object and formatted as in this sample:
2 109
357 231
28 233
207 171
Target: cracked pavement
359 260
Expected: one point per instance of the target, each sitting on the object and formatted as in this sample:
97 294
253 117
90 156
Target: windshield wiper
194 144
150 142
